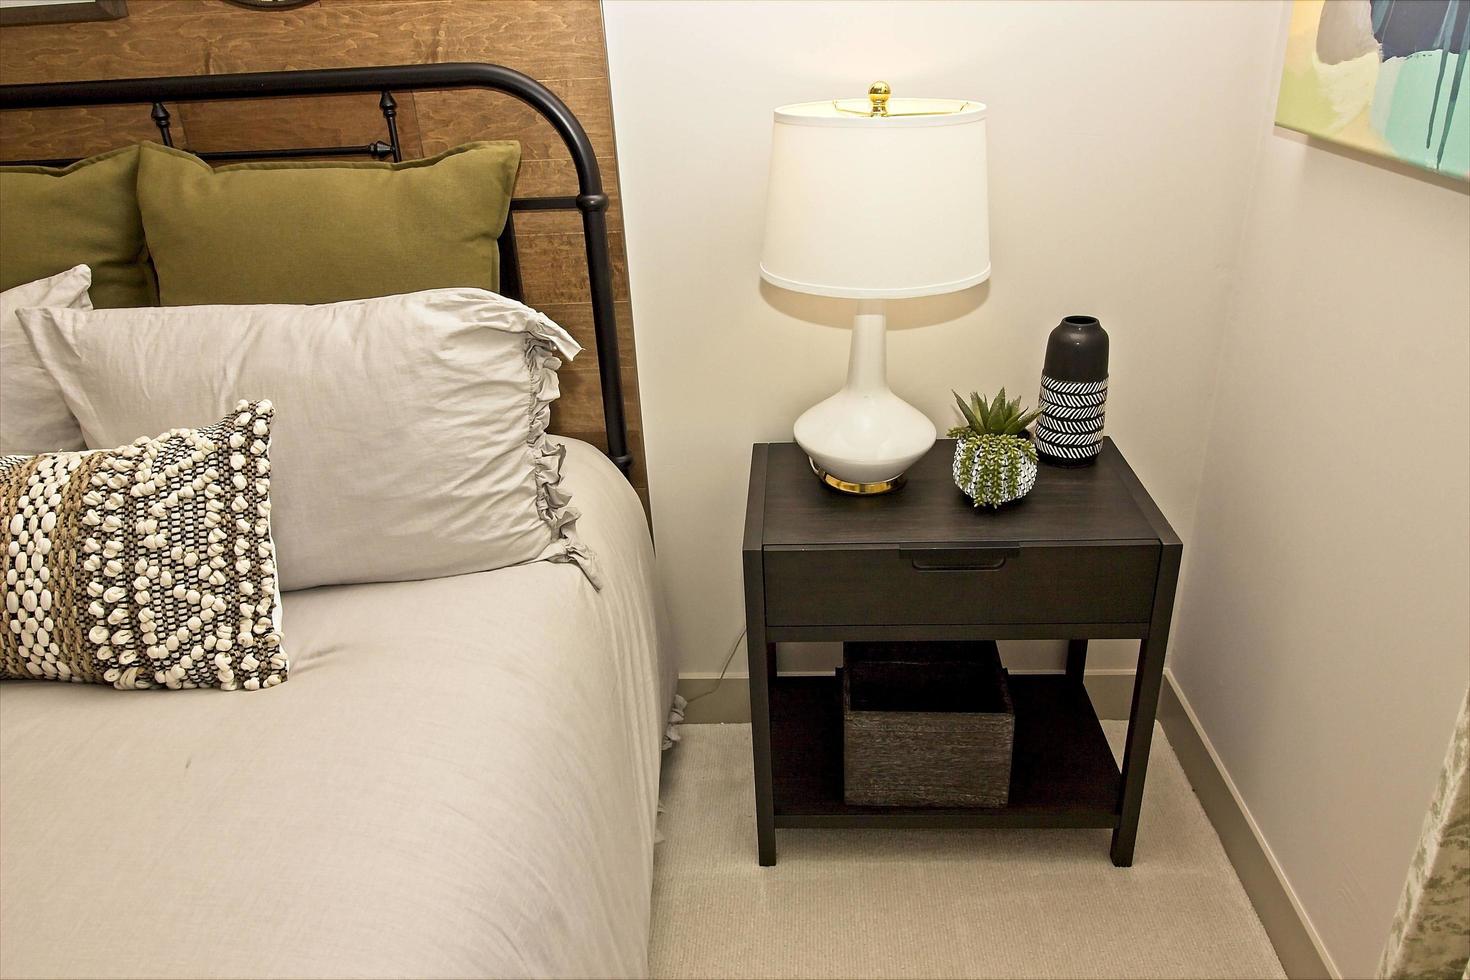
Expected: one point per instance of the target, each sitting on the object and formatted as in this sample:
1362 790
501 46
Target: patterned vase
1074 393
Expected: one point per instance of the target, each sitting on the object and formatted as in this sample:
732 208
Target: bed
460 780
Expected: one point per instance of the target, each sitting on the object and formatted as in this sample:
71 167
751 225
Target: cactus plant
994 462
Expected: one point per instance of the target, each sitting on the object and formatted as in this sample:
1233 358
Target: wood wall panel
558 42
263 124
71 132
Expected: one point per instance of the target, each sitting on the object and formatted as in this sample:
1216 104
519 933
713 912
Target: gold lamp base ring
844 486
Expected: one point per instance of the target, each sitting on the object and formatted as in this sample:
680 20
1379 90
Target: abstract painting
1386 76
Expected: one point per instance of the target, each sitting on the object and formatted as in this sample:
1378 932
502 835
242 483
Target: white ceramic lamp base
863 438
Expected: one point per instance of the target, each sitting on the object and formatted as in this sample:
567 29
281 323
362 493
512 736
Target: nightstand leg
1135 755
761 657
762 668
1076 659
1146 684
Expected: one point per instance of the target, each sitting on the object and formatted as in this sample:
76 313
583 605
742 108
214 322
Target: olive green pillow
54 218
324 231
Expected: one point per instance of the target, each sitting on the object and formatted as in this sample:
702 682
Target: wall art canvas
1386 76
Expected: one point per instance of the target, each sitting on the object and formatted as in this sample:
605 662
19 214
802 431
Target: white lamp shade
878 207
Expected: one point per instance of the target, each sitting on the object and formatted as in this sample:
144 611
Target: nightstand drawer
945 585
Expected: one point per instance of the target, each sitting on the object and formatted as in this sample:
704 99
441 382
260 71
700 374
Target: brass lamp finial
878 94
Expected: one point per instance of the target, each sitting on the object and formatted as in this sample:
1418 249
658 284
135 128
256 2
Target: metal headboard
590 200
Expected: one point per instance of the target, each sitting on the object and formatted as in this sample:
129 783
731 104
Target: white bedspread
460 778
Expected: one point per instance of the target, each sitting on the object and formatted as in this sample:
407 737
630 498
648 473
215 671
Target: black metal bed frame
590 199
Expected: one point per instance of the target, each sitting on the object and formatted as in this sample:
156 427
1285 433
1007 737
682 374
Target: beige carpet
939 903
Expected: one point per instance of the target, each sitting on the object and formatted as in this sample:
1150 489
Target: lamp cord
728 660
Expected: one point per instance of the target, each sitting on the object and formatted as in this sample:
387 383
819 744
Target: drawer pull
929 558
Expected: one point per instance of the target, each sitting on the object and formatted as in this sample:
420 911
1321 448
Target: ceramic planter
994 470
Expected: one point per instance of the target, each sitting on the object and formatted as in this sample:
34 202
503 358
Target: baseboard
1296 941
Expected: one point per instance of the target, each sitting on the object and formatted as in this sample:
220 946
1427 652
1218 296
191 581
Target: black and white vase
1074 393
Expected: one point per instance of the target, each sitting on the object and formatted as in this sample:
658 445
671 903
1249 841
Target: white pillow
33 415
410 436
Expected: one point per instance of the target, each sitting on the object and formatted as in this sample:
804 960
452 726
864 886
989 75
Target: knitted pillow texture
150 565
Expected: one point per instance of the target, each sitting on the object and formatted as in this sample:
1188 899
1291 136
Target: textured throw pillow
53 218
145 566
33 415
321 231
412 435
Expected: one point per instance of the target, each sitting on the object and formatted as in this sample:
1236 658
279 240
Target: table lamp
874 199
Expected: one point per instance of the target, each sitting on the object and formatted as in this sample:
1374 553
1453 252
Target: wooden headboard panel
558 42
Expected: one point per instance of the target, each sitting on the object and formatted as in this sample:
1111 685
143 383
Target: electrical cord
728 660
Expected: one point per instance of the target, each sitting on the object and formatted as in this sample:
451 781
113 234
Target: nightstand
1086 555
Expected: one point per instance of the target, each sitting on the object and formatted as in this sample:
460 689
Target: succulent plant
993 461
992 417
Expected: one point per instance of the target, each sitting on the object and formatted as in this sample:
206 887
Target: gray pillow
411 442
33 415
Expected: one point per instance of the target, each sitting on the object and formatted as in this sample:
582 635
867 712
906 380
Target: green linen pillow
54 218
305 232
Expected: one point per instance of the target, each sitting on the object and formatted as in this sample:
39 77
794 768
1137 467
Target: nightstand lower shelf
1062 773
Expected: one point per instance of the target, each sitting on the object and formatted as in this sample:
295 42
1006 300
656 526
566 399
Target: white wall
1119 156
1323 634
1302 314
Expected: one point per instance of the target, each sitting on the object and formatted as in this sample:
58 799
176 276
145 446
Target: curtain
1431 930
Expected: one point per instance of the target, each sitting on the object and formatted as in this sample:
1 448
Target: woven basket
926 724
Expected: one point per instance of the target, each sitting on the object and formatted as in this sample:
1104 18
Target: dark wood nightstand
1086 555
